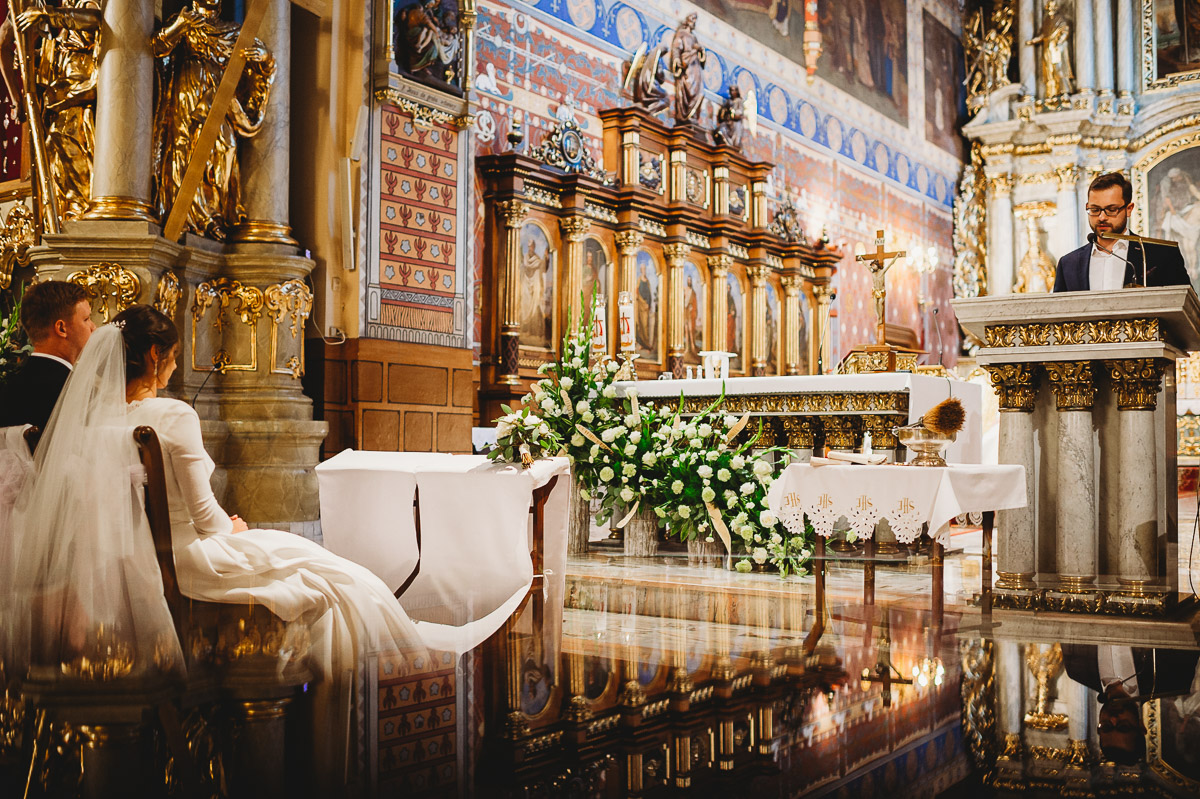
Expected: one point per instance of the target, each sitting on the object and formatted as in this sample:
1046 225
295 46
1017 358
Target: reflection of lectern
1086 382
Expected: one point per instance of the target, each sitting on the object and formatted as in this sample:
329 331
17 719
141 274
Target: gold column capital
1000 186
1016 384
758 274
1137 382
628 241
513 212
822 292
1073 384
574 227
676 251
1067 175
791 283
719 264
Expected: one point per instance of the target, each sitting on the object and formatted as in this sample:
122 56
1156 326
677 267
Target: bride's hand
239 524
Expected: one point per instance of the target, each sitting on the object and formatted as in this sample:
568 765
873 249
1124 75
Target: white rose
587 417
543 429
606 474
730 501
627 495
705 471
723 475
628 469
759 555
767 519
776 538
503 428
548 405
730 421
594 450
741 519
632 421
630 450
582 406
610 391
577 440
737 462
649 459
762 468
613 367
677 487
685 512
708 495
566 383
711 456
609 435
747 488
705 430
635 436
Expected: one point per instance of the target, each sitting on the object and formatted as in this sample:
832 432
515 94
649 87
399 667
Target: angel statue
646 79
687 65
1055 39
734 117
193 50
988 51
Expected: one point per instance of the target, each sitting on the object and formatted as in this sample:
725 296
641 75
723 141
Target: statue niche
426 40
1055 39
193 50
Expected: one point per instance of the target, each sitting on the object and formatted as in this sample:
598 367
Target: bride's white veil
87 596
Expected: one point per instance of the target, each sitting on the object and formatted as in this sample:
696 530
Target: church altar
805 412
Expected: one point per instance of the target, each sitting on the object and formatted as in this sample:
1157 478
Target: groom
57 317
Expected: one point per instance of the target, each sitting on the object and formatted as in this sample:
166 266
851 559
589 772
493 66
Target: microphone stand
1142 242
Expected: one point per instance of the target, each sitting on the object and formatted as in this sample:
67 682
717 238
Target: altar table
471 535
868 402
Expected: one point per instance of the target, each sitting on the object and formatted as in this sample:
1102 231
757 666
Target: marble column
1000 241
758 318
1016 544
124 114
1128 30
790 327
676 256
628 242
823 292
1075 499
265 158
1137 382
574 228
1085 47
1104 52
1078 699
513 212
718 277
1065 235
1026 57
1009 678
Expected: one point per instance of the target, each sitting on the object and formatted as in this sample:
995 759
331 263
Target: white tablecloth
476 535
907 496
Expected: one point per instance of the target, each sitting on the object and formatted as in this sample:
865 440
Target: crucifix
879 262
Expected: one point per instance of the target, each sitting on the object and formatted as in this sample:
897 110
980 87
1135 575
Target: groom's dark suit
29 396
1165 268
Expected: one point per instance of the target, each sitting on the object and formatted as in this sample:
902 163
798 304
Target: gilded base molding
1046 721
1015 580
1016 599
872 358
116 207
260 232
1072 601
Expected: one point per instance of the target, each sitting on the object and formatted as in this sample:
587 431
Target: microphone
1093 240
937 329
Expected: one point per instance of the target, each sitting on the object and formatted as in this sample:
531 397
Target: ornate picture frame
1153 53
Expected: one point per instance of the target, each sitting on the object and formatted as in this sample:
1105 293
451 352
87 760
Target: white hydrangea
613 367
587 417
730 421
759 555
705 430
705 471
747 489
566 383
649 459
684 512
776 539
627 494
737 461
606 473
723 475
677 487
708 495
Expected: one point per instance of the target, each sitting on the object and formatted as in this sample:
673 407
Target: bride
217 558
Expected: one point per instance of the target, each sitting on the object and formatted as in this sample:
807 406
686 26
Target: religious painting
805 322
537 273
694 312
945 88
1173 195
647 294
1177 730
773 338
596 270
865 51
1176 36
735 339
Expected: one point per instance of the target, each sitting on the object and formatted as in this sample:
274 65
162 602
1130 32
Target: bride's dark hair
143 327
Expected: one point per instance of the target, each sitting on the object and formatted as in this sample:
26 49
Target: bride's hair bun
144 327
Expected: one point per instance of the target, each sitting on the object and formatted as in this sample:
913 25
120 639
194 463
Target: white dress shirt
1116 664
1106 271
63 361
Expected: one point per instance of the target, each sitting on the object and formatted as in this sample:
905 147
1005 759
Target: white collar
63 361
1120 247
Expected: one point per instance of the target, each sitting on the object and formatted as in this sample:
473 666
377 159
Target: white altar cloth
924 391
476 535
907 496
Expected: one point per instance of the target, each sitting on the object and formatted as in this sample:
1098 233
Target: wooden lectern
1086 382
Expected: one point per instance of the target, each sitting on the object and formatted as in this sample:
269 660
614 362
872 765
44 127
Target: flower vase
641 534
705 553
579 524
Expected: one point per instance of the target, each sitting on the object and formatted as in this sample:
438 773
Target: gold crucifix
879 262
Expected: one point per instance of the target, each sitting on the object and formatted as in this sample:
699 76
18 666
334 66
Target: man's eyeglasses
1109 212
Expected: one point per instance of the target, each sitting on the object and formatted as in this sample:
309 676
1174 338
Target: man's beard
1112 228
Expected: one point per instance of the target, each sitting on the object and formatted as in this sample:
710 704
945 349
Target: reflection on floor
669 676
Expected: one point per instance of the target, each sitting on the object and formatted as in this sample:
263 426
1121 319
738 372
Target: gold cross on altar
879 262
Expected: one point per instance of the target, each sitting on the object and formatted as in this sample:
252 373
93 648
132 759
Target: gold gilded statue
193 50
65 82
1055 39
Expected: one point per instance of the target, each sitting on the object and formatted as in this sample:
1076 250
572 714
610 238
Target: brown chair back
159 516
32 436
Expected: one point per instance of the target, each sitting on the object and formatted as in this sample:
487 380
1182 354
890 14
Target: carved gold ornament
628 241
1044 665
1120 331
221 292
1016 384
424 115
863 362
513 212
167 298
1073 384
978 693
1188 433
111 288
970 229
1137 382
291 298
16 237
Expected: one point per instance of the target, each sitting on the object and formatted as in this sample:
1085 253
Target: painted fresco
695 310
647 314
864 51
1173 186
595 270
945 92
1177 36
537 288
774 354
735 336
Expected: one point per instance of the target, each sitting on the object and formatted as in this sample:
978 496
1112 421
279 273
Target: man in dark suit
1115 263
57 317
1124 676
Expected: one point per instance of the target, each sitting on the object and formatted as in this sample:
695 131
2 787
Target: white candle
625 320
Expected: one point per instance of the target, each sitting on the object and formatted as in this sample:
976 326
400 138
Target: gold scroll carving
1118 331
1073 385
1137 382
293 299
220 293
111 288
1016 384
1044 665
16 237
978 692
167 297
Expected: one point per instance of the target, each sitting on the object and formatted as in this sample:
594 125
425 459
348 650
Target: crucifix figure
879 262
